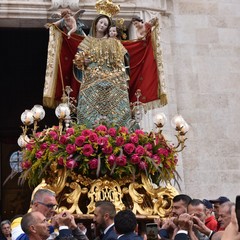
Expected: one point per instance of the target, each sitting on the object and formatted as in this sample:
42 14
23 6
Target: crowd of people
193 219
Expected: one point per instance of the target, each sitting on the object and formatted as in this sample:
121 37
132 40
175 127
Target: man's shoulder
22 236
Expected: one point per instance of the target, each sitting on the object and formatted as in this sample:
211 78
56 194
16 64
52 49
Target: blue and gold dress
104 82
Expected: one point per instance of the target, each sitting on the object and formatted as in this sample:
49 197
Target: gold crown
107 7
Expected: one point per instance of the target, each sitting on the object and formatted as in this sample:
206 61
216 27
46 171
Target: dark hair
137 19
106 207
196 202
182 197
28 220
118 31
125 222
96 21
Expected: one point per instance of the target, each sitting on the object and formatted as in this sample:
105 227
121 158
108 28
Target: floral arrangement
98 152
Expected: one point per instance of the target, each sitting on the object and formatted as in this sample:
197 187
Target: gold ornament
107 7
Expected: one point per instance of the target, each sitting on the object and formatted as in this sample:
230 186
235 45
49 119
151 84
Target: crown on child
107 7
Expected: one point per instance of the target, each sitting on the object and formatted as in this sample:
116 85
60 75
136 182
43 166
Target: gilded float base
78 195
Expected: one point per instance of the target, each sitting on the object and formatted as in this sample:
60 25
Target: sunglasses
50 206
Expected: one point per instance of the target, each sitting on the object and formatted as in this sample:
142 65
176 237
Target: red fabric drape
143 69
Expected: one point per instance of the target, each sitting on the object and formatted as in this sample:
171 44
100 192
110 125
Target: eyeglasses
50 206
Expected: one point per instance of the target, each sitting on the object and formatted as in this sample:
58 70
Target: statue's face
102 25
113 32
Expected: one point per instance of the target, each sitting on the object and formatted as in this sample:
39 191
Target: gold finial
107 7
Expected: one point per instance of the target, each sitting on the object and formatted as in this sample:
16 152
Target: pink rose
134 138
53 135
163 151
139 132
102 129
71 148
86 132
29 146
87 150
140 150
53 148
119 141
63 139
148 146
112 132
107 149
39 154
93 163
43 146
129 148
38 134
156 159
123 130
111 159
70 131
175 160
26 164
71 164
60 161
102 141
143 165
121 160
93 137
135 159
79 141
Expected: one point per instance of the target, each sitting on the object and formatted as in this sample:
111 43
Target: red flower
135 159
43 146
71 164
71 148
53 148
60 161
112 132
70 131
129 148
79 141
163 151
148 146
93 163
111 159
121 160
156 159
123 130
88 150
54 135
143 165
39 154
86 132
93 137
26 164
140 150
102 141
63 139
29 146
102 129
139 132
107 149
119 141
134 138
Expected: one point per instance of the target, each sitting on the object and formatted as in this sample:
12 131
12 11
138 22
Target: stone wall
203 79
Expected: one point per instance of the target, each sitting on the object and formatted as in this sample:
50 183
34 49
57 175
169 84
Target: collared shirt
106 229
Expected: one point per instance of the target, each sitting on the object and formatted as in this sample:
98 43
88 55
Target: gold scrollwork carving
104 189
140 195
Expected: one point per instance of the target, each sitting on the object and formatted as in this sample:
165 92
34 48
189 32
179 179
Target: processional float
131 168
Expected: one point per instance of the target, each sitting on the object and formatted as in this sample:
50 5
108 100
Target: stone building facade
200 41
